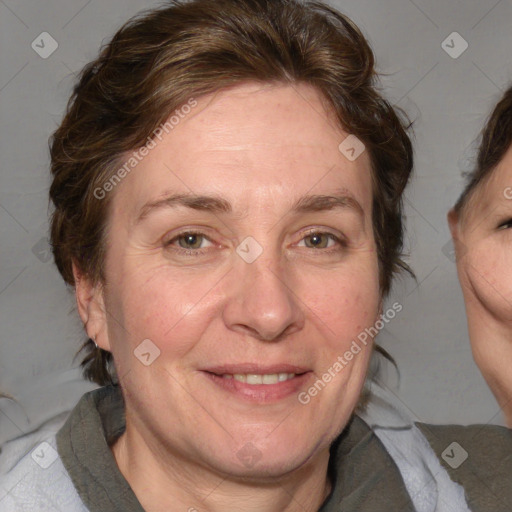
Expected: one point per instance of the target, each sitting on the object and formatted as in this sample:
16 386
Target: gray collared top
365 477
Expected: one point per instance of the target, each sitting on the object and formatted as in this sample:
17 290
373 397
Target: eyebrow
215 204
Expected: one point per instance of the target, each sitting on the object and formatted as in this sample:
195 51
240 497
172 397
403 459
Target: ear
91 307
453 223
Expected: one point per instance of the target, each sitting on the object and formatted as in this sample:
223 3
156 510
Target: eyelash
502 225
341 242
181 250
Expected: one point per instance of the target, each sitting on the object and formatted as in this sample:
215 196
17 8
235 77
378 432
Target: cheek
162 304
488 271
343 303
175 307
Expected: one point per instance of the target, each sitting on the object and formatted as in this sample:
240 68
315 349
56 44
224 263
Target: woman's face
242 248
484 263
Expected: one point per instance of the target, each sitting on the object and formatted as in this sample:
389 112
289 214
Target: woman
480 224
227 187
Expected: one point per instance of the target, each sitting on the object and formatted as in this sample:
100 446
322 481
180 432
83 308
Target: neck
166 481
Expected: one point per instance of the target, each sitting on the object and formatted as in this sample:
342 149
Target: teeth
253 378
270 379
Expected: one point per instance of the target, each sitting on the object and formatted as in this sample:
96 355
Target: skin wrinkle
220 205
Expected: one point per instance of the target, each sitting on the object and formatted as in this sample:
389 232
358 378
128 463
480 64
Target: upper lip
255 368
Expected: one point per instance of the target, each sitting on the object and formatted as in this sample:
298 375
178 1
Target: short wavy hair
160 59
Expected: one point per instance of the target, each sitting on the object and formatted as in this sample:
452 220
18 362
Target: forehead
253 140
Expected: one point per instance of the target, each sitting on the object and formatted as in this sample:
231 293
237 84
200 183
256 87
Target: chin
265 460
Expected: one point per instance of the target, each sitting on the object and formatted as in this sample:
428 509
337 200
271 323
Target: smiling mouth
258 385
255 378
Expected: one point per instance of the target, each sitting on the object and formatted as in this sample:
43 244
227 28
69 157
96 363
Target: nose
262 302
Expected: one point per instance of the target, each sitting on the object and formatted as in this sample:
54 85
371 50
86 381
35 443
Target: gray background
449 99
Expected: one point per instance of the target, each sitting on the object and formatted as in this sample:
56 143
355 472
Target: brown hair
160 59
495 140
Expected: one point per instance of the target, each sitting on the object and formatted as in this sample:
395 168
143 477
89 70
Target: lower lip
261 392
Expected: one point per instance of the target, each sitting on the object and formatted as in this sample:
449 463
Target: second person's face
483 233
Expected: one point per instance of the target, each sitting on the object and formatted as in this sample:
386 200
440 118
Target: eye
189 241
321 240
505 225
